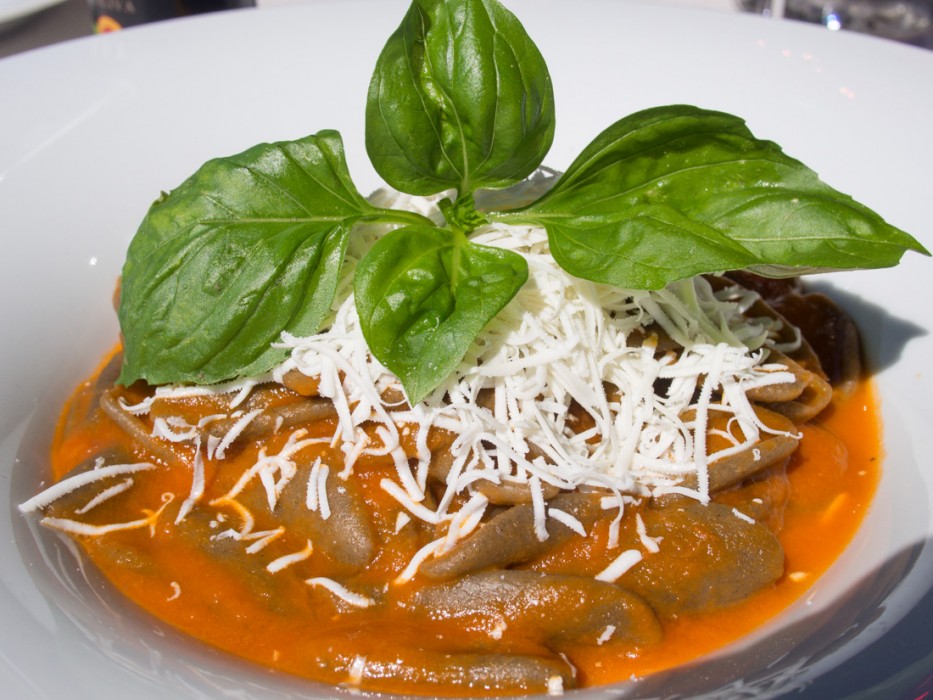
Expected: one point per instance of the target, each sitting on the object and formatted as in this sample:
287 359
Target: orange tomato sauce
831 480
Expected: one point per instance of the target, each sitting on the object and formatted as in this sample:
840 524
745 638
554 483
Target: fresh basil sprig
252 246
677 191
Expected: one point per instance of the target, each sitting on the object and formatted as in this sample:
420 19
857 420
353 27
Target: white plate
91 131
14 11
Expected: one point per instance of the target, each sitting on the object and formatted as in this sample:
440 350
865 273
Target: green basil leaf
709 169
248 247
649 248
460 98
423 295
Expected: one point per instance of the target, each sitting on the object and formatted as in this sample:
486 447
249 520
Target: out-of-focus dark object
110 15
908 21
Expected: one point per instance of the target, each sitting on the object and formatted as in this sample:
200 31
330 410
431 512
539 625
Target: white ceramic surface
92 130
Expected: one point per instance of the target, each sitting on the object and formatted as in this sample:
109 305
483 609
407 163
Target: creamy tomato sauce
831 478
206 587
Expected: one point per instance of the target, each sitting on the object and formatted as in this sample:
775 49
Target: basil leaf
423 295
246 248
460 98
652 246
709 169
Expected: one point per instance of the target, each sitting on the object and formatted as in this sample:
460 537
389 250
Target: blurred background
909 21
30 24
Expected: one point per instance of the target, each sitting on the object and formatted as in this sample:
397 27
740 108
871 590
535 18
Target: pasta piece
510 538
560 609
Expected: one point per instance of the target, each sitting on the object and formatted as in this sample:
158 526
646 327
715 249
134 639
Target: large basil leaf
460 98
652 246
706 168
248 247
423 295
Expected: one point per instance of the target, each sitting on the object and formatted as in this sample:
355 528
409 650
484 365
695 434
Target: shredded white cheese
420 557
539 507
233 433
355 599
287 560
464 521
355 671
76 527
106 495
263 539
323 504
416 509
197 482
401 520
273 471
66 486
619 566
742 516
568 520
606 635
313 488
652 544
